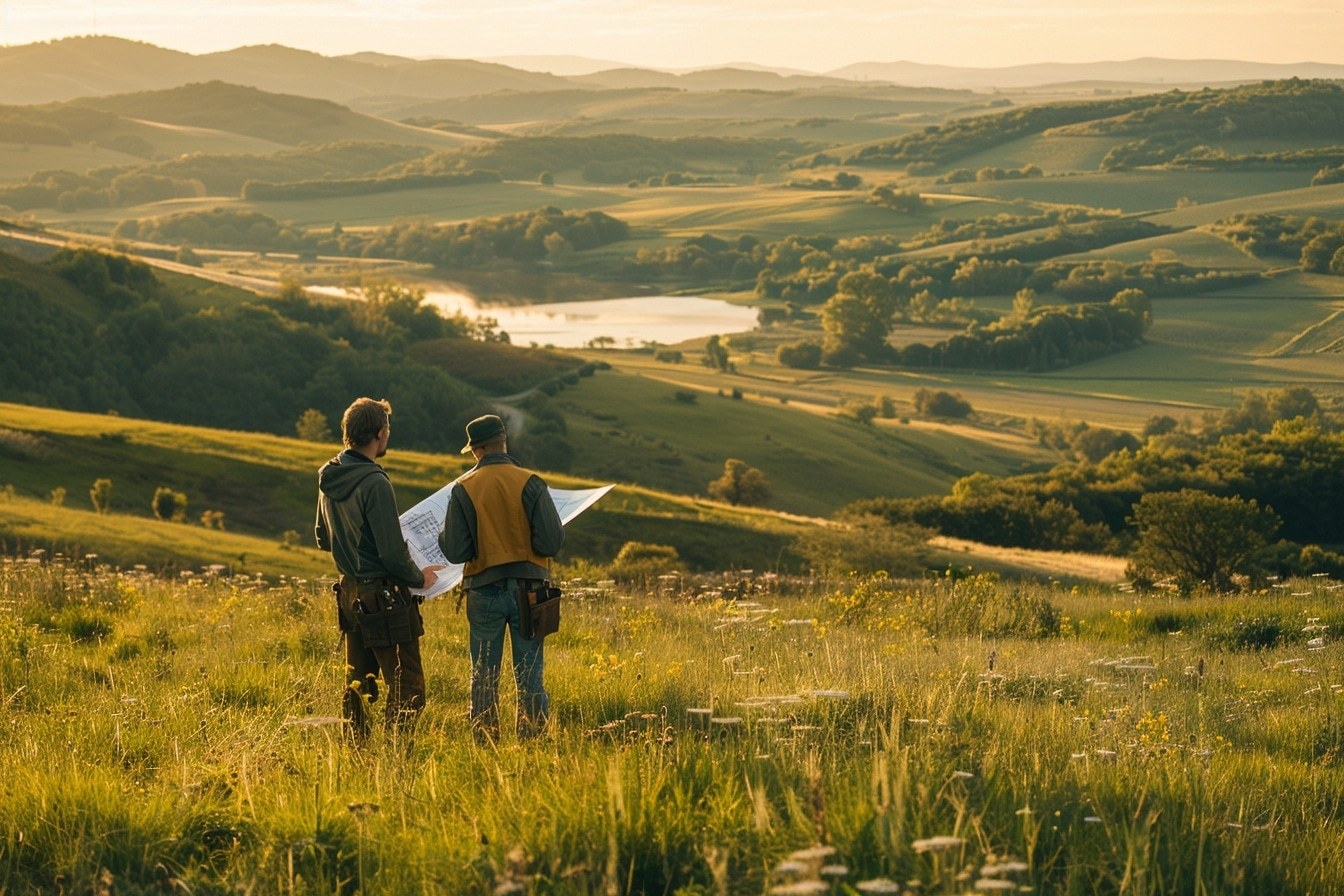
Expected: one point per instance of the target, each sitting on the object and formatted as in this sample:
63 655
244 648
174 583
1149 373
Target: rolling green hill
629 424
266 485
283 118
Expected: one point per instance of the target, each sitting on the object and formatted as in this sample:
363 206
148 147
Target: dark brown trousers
398 665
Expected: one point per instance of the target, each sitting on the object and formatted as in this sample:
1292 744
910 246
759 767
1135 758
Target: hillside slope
265 487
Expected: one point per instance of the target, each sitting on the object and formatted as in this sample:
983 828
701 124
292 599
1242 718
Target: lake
630 322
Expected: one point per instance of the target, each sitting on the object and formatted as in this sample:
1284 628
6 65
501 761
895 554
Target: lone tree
741 484
101 495
1198 538
168 504
312 426
716 354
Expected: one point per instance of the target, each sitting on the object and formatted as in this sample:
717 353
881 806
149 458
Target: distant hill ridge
96 66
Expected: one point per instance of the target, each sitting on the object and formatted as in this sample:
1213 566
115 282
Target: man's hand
431 574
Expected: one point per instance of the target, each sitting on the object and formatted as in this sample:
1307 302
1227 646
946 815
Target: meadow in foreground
760 736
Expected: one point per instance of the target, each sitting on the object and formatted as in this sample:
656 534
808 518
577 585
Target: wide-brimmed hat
483 430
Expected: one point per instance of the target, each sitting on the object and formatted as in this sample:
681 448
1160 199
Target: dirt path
1058 564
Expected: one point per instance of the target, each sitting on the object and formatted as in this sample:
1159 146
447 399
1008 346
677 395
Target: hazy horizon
681 34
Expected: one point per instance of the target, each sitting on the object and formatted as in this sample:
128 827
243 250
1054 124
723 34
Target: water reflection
628 322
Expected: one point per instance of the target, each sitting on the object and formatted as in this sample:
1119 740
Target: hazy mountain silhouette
1150 71
98 66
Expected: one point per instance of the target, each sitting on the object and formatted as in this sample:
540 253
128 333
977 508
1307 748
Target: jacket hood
340 476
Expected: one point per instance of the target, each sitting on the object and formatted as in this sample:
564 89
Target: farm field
727 736
1151 191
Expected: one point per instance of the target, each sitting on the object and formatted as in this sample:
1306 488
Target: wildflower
802 888
963 775
938 844
313 722
1003 868
1091 819
990 883
878 885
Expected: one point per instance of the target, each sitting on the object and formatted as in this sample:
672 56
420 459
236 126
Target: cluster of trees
809 270
226 228
607 158
989 173
704 258
1330 174
1316 245
938 144
857 326
1275 454
523 236
1303 108
948 230
1165 125
101 188
905 201
843 180
97 332
1186 153
200 174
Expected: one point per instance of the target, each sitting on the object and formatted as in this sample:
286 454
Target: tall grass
175 735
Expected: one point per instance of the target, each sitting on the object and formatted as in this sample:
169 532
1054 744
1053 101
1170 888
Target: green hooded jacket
357 521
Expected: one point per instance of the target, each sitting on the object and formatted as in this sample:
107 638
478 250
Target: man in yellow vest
503 525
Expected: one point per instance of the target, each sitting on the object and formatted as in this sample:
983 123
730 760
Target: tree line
1315 244
1277 450
1165 125
197 174
96 332
522 236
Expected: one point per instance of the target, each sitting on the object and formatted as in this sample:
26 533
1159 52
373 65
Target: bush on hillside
638 562
938 403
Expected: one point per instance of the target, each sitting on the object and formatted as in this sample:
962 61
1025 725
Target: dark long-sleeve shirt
458 538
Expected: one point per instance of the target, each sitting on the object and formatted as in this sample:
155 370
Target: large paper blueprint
422 524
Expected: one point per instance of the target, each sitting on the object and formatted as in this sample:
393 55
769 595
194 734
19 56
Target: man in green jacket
357 522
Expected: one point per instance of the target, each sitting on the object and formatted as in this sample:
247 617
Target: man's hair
363 420
494 445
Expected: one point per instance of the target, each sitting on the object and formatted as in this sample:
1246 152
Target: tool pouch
538 609
386 613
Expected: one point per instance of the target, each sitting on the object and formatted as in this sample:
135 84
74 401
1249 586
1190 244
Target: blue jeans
489 609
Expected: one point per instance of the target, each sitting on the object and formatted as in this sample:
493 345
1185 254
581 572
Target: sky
809 35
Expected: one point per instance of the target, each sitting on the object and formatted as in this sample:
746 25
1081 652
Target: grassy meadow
737 735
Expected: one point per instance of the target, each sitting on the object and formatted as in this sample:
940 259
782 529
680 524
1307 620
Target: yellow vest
503 531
